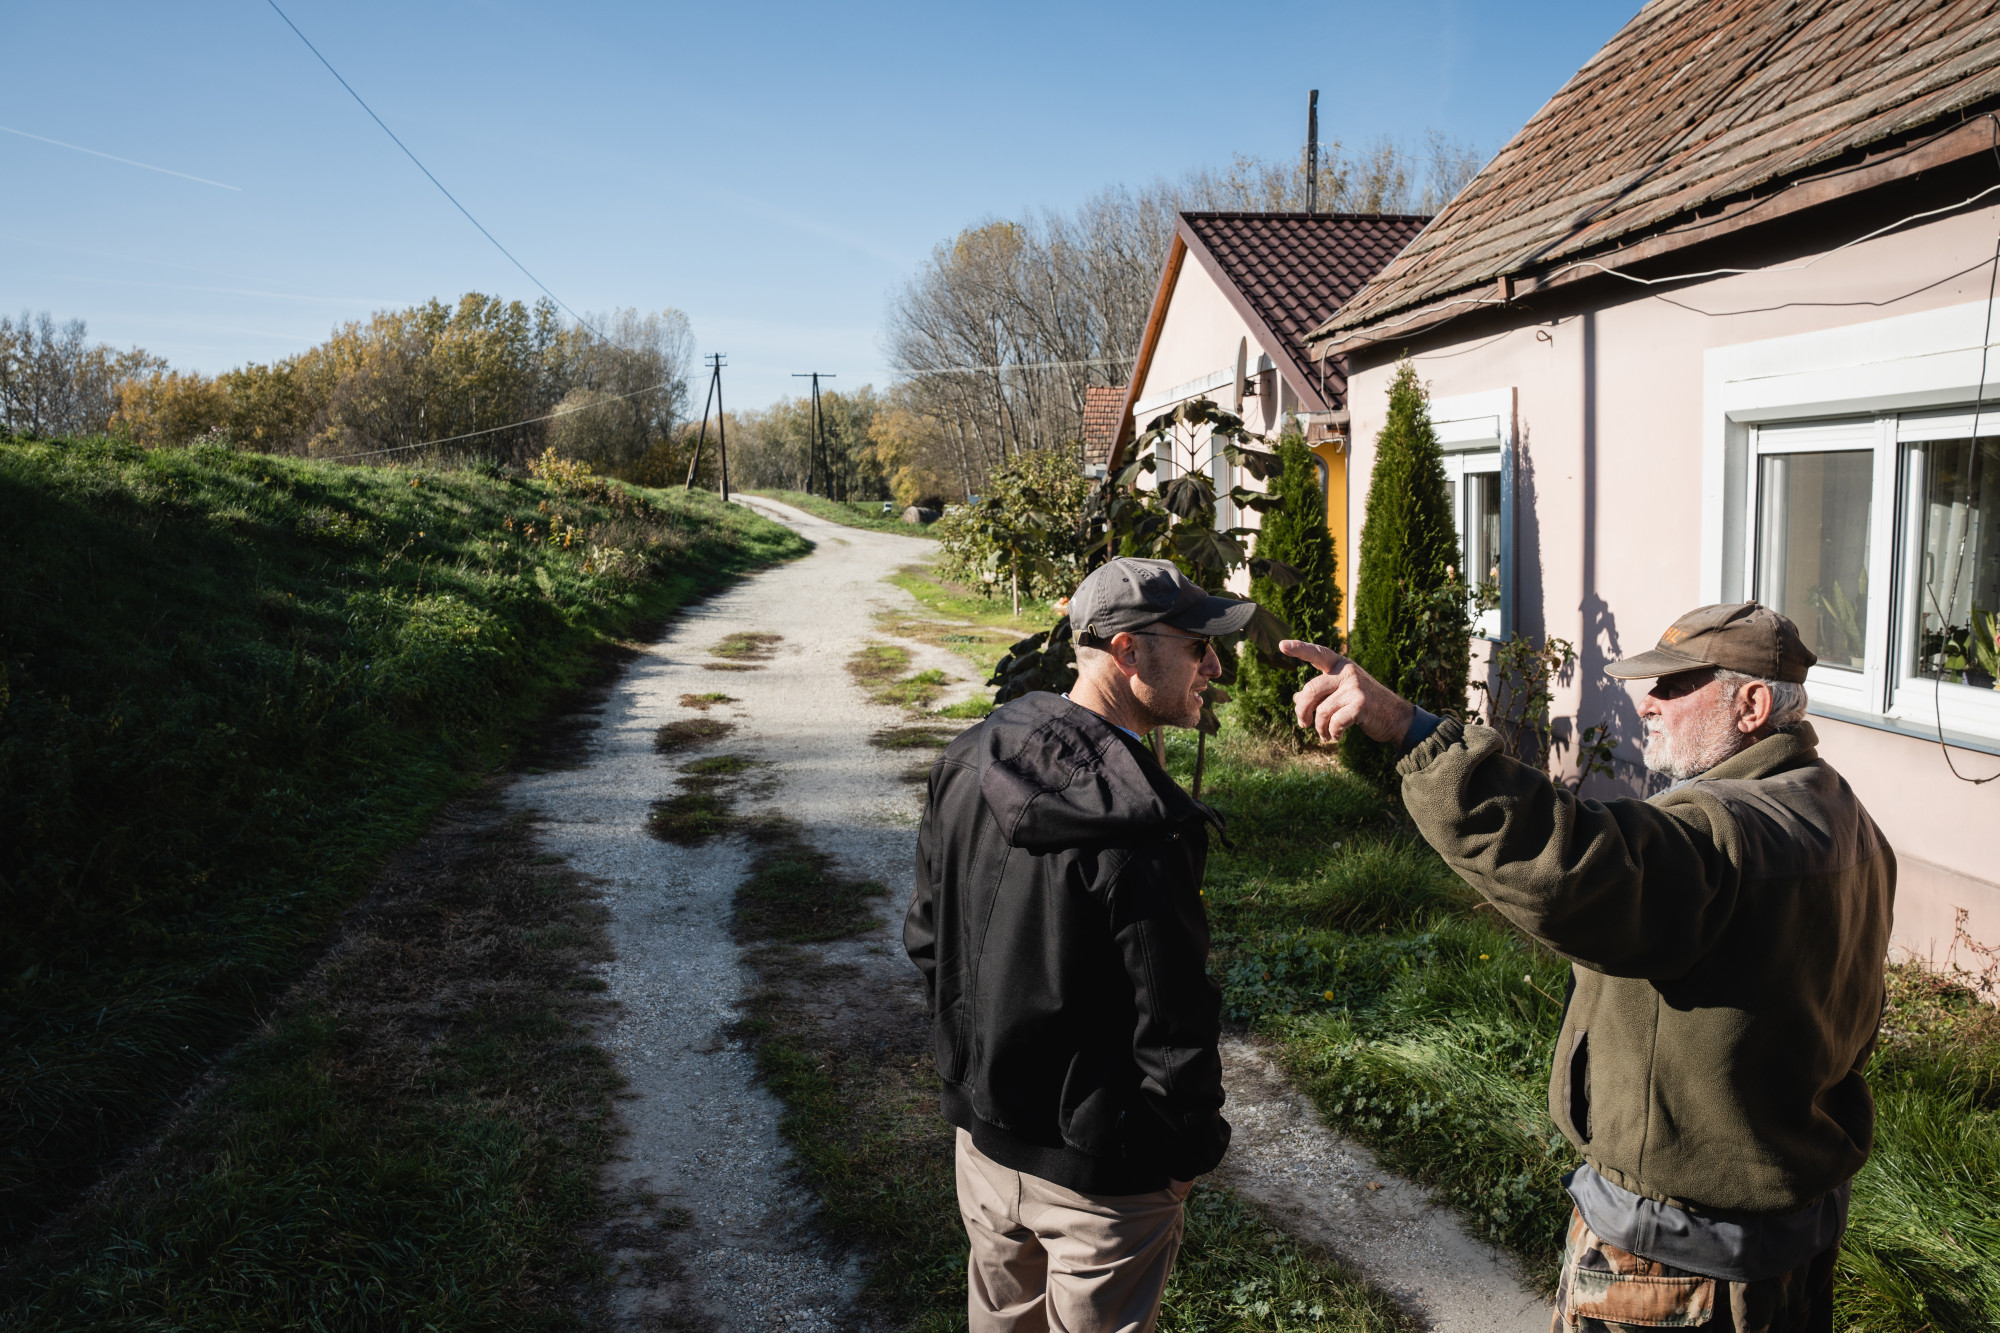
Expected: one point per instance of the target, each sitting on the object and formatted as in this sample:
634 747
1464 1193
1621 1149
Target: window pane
1959 584
1482 532
1812 548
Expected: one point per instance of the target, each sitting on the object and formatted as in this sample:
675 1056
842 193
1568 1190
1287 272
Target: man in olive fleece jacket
1727 940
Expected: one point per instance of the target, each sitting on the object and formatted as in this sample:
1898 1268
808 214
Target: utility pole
816 445
1312 151
715 363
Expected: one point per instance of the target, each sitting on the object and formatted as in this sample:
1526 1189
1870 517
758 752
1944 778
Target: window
1474 478
1849 482
1830 504
1474 431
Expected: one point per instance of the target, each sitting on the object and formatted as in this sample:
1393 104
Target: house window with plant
1880 537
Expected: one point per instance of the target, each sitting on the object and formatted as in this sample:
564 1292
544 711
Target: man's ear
1753 707
1125 652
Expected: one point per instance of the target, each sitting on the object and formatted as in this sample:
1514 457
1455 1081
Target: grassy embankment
230 686
851 513
1421 1024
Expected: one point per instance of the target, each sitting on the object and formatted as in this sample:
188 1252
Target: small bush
1294 532
1412 629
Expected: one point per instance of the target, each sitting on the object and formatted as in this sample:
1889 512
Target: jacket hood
1056 775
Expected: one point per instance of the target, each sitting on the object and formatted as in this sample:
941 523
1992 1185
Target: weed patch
690 732
878 668
911 738
748 646
976 707
703 805
235 683
793 894
414 1138
703 702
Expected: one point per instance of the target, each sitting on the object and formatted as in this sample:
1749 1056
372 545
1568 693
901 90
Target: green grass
879 669
413 1141
849 513
230 685
1421 1024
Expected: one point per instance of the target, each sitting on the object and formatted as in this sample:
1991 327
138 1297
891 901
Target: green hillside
229 685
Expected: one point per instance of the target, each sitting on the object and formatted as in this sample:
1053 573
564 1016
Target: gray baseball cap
1129 594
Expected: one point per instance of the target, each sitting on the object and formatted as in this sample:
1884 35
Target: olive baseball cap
1129 594
1735 636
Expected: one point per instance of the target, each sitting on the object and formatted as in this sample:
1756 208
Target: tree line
1003 327
485 377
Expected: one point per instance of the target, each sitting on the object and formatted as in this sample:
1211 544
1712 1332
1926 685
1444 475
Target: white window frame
1475 432
1895 375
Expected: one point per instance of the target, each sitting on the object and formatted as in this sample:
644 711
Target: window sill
1957 740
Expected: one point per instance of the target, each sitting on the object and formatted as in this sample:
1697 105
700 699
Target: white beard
1697 747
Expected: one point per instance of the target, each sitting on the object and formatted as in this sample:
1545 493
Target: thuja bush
1294 532
1412 628
229 684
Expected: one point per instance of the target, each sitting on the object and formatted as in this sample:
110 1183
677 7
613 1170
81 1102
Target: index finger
1325 659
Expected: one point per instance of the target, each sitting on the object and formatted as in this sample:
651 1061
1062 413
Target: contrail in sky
203 180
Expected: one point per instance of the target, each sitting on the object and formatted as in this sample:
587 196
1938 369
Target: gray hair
1788 700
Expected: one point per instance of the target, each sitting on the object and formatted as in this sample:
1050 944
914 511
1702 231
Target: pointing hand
1345 696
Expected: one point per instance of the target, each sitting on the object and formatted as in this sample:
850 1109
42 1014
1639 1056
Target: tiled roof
1292 270
1103 406
1693 103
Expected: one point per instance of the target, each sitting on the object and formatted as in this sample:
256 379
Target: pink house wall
1609 544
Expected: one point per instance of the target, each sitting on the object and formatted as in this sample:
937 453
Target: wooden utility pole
816 442
715 363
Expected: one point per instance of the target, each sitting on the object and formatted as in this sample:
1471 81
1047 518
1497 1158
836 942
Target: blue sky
776 171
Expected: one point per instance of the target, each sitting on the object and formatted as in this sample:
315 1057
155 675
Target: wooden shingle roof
1693 104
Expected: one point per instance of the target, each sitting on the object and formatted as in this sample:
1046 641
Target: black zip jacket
1058 922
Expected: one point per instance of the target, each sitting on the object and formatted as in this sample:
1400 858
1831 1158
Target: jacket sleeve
920 924
1624 887
1162 936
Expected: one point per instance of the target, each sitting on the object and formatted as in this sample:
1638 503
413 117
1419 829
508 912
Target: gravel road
713 1230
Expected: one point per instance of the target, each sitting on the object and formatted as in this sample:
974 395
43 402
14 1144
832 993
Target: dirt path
714 1225
1328 1191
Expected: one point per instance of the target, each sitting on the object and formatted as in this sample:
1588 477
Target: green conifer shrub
1412 626
1295 533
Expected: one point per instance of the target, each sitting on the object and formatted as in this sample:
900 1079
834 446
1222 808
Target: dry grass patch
701 703
689 732
748 646
703 805
912 738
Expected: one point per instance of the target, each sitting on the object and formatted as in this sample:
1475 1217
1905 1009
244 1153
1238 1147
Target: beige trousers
1049 1260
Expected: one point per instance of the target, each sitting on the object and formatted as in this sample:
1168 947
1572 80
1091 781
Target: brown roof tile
1292 270
1692 103
1103 408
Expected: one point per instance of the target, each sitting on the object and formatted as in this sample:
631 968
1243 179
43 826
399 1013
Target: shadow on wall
1601 699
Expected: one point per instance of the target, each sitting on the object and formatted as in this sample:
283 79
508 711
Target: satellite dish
1242 365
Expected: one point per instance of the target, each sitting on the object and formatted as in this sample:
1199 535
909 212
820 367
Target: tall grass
1422 1024
229 684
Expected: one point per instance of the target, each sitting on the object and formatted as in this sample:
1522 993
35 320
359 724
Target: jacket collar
1773 754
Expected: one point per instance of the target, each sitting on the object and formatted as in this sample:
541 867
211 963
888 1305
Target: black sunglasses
1202 642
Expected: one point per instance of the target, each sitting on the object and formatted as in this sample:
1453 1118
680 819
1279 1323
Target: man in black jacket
1057 920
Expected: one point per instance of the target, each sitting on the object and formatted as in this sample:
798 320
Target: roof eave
1888 165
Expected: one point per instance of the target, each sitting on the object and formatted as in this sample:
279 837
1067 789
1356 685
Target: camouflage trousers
1604 1289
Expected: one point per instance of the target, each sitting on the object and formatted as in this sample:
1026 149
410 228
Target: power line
1016 365
427 172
